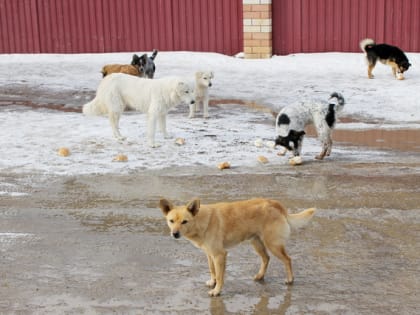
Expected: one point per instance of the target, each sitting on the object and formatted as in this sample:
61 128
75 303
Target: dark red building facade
101 26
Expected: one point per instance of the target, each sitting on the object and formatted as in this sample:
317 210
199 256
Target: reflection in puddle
266 305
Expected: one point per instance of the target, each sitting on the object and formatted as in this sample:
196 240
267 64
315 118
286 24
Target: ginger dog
135 68
216 227
117 68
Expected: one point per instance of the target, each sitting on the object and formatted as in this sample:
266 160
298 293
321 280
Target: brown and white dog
143 66
216 227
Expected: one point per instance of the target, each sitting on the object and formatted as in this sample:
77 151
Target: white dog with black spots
292 120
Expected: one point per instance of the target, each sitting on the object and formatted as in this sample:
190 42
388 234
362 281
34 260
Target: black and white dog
146 63
292 119
387 54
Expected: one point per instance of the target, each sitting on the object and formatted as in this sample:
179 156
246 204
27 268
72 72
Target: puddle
401 139
407 140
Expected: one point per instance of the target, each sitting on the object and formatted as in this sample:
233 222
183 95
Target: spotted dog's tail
340 100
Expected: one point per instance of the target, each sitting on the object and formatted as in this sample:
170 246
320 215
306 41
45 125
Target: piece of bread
180 141
262 159
120 158
259 143
63 151
223 165
296 160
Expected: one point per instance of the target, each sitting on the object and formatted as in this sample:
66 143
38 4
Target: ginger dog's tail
298 220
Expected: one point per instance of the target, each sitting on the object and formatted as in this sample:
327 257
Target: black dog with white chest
387 54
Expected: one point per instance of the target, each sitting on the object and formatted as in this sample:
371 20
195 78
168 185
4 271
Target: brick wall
257 28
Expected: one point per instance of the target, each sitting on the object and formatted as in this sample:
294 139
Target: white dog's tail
298 220
340 100
92 108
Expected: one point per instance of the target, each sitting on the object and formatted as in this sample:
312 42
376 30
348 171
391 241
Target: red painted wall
90 26
339 25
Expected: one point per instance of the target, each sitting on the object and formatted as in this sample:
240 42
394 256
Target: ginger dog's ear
165 206
193 206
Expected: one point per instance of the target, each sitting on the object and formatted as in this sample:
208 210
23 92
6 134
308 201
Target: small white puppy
201 93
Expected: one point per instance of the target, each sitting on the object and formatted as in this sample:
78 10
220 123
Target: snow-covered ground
275 82
30 139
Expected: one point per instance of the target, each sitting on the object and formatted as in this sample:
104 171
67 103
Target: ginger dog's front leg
212 282
219 261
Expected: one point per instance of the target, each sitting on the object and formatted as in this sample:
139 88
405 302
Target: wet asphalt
98 244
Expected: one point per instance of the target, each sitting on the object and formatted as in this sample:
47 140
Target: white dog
155 97
201 93
292 120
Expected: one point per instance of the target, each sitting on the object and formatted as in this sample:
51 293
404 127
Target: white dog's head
185 93
204 78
